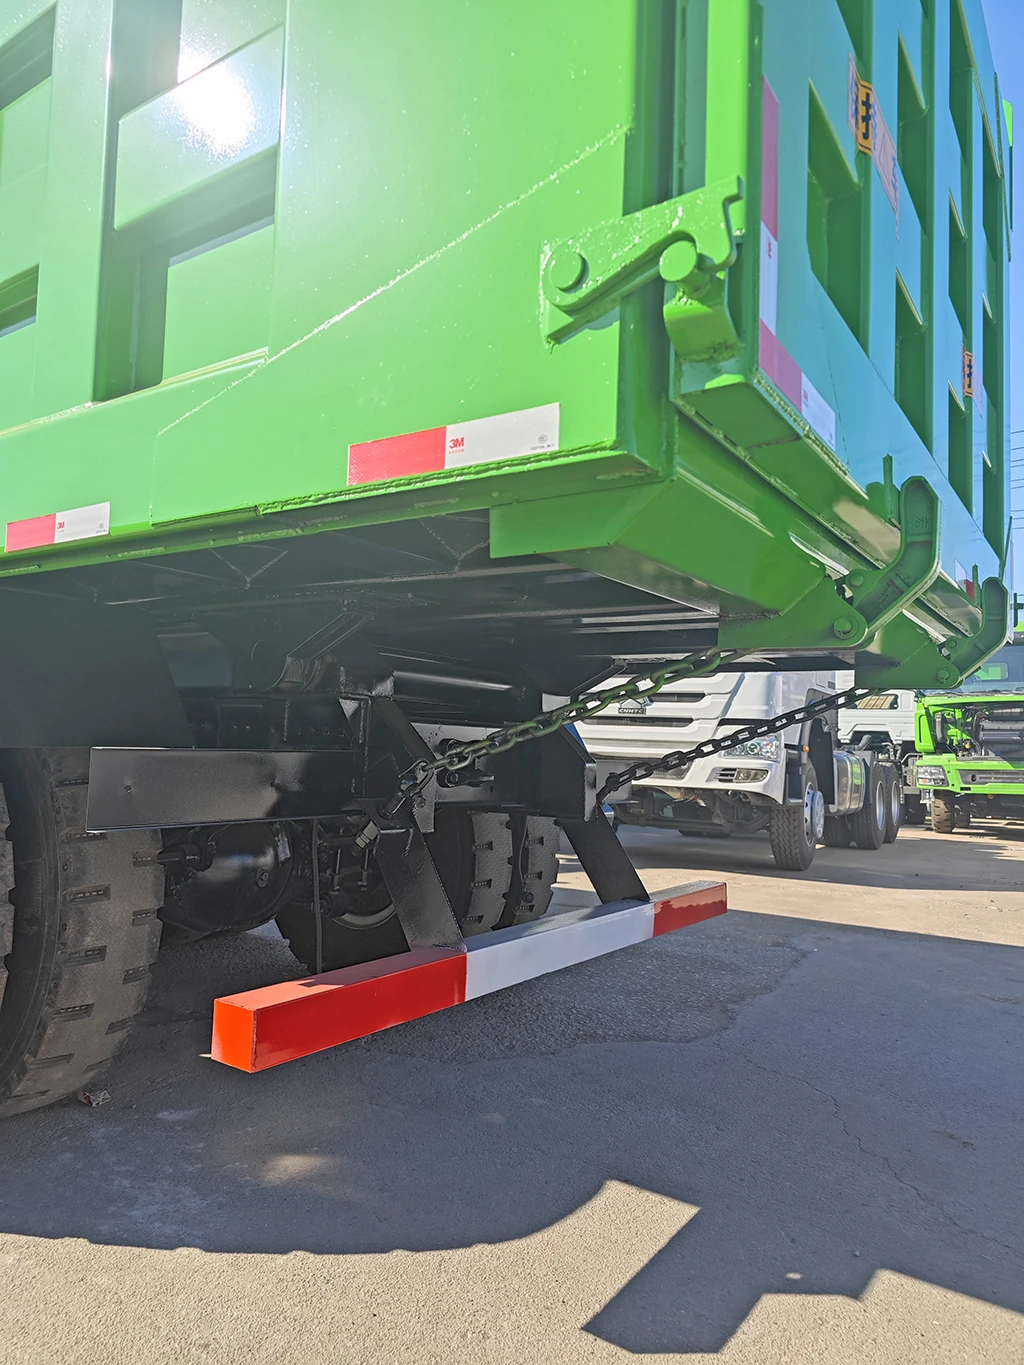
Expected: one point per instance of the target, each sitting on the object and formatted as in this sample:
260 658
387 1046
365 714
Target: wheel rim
896 803
814 815
880 805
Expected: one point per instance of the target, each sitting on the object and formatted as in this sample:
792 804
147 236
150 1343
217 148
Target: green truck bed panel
742 265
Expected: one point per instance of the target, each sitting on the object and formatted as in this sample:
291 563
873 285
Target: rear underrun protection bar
266 1027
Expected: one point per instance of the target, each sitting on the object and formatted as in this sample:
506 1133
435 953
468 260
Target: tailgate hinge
904 654
848 614
688 242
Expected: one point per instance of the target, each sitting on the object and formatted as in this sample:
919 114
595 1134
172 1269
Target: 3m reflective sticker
819 414
482 441
780 367
57 528
769 279
770 160
82 523
530 432
30 533
396 457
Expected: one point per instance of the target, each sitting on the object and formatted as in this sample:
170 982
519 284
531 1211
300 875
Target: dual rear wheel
795 830
80 922
497 870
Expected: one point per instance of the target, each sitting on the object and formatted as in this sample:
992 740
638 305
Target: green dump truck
371 376
970 745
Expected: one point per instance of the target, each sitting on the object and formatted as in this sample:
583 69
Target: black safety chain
682 758
459 756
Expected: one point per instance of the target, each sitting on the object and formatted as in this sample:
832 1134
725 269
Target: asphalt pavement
791 1134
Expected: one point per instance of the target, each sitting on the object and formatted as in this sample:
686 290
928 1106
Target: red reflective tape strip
273 1024
770 161
691 907
781 368
395 457
31 533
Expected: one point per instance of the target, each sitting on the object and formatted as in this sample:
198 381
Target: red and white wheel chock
262 1028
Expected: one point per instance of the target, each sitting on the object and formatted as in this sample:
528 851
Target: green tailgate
240 239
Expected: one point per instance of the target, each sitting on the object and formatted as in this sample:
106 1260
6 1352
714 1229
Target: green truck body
970 744
370 374
241 242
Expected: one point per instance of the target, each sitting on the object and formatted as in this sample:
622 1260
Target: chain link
682 758
459 756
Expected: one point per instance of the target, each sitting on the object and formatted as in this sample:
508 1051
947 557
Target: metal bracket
823 619
412 878
967 654
603 859
688 242
906 656
880 594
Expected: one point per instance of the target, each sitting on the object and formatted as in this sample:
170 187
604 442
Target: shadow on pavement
988 857
833 1100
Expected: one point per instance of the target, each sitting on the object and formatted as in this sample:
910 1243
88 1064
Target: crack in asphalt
881 1156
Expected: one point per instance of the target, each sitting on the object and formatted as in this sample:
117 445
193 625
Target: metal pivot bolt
678 262
843 627
566 270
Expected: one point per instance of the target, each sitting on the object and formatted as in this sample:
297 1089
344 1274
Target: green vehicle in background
372 374
970 745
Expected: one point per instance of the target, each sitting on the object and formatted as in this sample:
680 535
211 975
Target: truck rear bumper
263 1028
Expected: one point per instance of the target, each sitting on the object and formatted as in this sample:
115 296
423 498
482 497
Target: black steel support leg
604 860
568 792
419 897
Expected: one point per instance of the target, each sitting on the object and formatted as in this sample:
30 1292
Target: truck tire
78 924
943 812
868 824
534 867
474 854
963 813
794 829
893 804
837 832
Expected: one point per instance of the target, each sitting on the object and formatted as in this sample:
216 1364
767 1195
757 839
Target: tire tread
99 973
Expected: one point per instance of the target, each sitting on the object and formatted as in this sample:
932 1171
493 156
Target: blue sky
1006 31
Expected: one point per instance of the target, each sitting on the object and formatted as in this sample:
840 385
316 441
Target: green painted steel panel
270 232
212 29
207 125
199 333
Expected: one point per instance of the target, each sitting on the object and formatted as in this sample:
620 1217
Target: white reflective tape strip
530 432
505 958
82 523
818 413
769 280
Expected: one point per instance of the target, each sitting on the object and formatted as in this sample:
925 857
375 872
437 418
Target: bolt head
566 270
856 580
678 262
842 628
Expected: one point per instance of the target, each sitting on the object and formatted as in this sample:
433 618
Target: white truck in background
804 785
887 721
